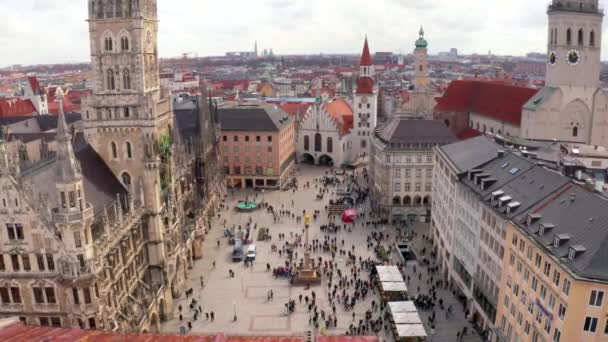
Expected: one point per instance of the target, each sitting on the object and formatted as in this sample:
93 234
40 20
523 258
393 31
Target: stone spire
67 165
4 160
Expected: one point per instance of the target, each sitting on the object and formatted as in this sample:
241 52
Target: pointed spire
318 94
366 58
68 167
421 32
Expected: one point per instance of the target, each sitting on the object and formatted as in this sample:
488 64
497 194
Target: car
251 252
237 251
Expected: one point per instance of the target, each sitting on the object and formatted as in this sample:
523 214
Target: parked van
237 252
251 252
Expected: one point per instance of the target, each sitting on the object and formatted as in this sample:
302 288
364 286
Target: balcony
71 217
72 269
573 6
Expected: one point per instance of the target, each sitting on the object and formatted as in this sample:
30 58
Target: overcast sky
55 31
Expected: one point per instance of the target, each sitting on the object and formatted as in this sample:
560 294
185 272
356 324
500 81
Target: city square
246 294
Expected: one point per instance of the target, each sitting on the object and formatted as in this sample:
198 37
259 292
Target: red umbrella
349 216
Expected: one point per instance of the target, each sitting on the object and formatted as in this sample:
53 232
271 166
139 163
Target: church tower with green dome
421 61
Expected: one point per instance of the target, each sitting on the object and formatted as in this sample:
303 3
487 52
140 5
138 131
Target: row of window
318 143
554 34
128 150
237 160
22 262
108 43
248 171
428 187
418 159
258 149
407 171
6 202
117 8
235 138
111 76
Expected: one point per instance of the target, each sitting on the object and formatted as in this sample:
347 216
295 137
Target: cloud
43 31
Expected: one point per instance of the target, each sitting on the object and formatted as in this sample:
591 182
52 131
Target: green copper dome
421 42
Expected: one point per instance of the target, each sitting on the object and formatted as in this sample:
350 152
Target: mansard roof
401 131
266 118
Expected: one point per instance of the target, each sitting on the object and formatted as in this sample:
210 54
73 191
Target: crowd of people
348 284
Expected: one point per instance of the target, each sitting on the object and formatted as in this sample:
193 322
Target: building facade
554 282
258 146
490 187
100 233
401 166
324 133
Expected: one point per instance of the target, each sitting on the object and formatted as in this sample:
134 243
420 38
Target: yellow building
555 273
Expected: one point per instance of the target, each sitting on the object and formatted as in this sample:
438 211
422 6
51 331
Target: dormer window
533 218
556 241
575 250
545 227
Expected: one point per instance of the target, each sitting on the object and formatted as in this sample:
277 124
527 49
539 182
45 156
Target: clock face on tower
552 58
573 58
364 99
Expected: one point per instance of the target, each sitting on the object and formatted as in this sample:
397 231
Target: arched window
580 37
114 150
126 179
555 36
129 150
318 142
477 126
108 44
110 79
420 67
124 43
484 128
575 131
126 79
306 143
568 36
330 145
591 38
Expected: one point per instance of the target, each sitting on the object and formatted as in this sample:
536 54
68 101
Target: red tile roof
366 59
33 81
293 108
340 108
499 101
18 332
16 107
468 133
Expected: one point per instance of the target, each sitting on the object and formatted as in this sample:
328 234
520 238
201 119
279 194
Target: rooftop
399 131
267 118
471 153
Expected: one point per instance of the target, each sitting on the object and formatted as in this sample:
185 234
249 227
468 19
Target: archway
154 323
417 200
426 200
326 160
407 200
307 159
396 200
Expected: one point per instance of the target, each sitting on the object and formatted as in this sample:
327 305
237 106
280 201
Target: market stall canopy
410 330
393 286
407 318
389 273
349 215
348 339
397 307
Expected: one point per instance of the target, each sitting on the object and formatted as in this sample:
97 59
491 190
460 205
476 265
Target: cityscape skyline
317 27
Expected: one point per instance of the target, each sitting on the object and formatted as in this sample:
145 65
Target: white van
250 252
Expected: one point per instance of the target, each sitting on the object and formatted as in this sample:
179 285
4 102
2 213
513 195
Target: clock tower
365 106
574 43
